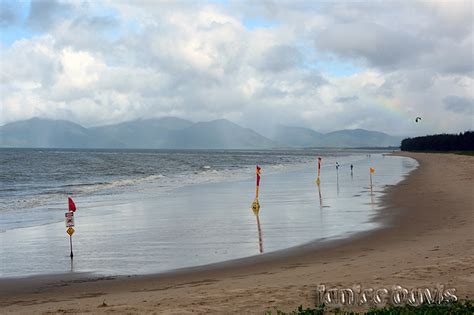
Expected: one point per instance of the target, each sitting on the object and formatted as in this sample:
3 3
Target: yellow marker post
318 181
372 170
255 204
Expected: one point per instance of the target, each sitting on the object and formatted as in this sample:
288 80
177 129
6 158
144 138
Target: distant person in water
337 166
352 166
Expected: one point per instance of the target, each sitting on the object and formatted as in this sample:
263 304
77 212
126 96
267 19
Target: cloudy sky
326 65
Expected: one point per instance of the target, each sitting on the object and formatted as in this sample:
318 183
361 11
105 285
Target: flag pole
70 223
70 243
255 204
260 239
371 170
318 181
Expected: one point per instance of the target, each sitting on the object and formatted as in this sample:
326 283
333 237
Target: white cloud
106 62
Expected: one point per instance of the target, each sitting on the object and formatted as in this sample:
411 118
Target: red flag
72 205
258 175
319 163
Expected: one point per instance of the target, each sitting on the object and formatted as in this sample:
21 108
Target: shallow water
34 182
161 227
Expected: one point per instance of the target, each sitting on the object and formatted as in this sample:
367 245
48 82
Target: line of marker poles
70 243
255 205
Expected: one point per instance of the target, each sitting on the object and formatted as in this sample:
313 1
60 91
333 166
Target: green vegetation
470 153
444 142
451 308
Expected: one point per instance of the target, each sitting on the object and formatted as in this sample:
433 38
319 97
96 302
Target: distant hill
176 133
356 138
352 138
146 133
162 133
46 133
296 136
217 134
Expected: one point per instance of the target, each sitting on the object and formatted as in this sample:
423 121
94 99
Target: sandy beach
427 240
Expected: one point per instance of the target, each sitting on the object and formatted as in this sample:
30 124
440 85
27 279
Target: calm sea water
143 211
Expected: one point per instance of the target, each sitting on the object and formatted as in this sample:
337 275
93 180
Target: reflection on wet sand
320 197
372 196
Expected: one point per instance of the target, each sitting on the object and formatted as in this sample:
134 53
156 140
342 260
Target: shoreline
420 256
279 254
294 214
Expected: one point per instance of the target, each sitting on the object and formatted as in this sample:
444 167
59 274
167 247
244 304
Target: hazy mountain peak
218 122
45 133
295 136
42 121
177 133
357 130
168 122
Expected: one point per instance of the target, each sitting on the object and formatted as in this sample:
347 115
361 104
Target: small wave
27 202
88 188
177 177
52 195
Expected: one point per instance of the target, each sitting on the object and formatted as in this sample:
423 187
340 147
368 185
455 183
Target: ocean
146 211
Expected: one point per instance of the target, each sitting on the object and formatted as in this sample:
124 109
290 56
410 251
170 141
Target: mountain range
177 133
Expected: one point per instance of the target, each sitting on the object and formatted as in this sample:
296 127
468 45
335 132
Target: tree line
443 142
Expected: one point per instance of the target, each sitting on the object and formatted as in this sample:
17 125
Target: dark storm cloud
453 57
374 44
459 104
435 35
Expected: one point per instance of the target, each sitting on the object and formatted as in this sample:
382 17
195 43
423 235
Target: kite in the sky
417 119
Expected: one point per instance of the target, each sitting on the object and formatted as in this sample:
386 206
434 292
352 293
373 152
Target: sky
326 65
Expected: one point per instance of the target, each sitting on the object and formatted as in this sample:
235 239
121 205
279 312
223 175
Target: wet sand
427 240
